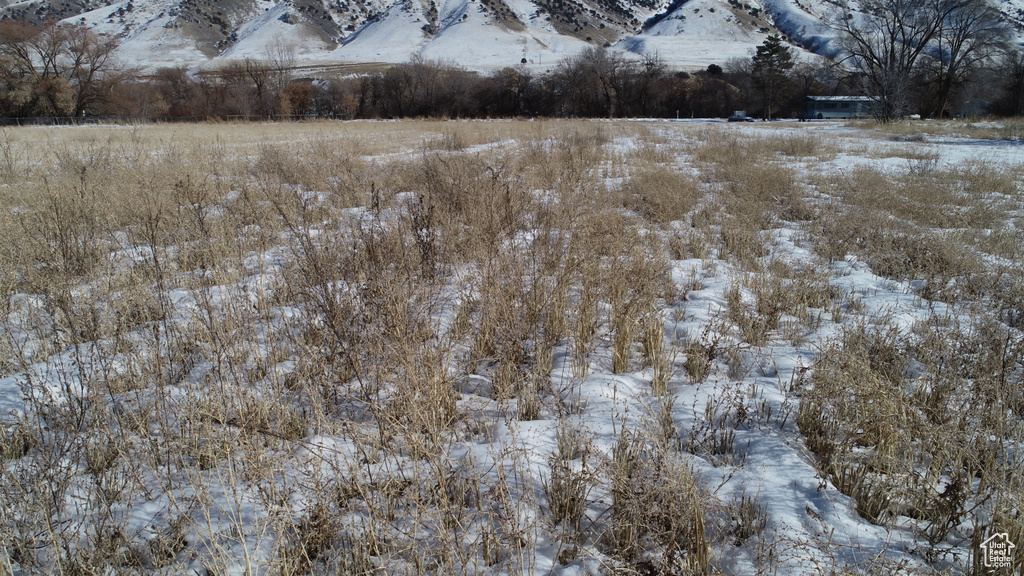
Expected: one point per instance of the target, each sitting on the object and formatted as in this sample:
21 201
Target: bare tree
610 71
972 34
1011 72
56 70
240 86
281 60
509 91
400 88
640 94
885 45
592 82
89 66
17 69
179 91
573 89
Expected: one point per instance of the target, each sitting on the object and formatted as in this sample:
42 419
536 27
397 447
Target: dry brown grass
658 511
869 432
910 226
661 195
251 222
308 324
1003 129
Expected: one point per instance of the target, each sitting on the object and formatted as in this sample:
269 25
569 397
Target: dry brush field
570 348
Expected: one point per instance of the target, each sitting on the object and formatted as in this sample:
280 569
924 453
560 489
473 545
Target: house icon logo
997 551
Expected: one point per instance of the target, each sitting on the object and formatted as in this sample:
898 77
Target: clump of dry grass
750 518
661 195
658 511
746 244
869 432
312 537
770 296
898 226
567 491
701 352
1004 129
633 282
756 187
15 441
800 146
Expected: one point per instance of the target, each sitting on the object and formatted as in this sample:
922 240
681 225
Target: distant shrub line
66 73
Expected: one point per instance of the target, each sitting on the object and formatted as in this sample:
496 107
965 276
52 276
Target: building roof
841 98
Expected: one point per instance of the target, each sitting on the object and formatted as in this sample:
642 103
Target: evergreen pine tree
771 65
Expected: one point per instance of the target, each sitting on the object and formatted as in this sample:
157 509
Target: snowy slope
147 36
804 22
701 32
471 39
477 34
393 37
268 30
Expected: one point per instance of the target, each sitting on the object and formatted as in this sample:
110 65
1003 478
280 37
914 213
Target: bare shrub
311 538
633 280
859 399
801 145
895 248
743 242
713 436
661 195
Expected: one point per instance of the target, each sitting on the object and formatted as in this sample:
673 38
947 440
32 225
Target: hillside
478 34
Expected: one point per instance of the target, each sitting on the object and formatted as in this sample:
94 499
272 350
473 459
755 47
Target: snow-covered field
510 348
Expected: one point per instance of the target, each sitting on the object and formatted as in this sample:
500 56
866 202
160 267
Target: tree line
931 57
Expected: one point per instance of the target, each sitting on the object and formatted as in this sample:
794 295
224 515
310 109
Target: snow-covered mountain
477 34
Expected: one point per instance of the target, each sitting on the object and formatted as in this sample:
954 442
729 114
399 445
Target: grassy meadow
521 347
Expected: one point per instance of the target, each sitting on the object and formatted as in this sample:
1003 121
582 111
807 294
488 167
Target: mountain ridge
477 34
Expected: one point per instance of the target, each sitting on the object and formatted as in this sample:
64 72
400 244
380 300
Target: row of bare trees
594 83
932 57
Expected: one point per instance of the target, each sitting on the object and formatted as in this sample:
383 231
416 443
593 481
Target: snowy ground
281 349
